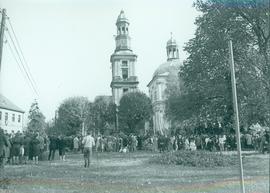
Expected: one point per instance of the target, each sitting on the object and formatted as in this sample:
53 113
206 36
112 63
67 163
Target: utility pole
116 119
2 30
236 119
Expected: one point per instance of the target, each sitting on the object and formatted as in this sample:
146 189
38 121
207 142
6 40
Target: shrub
195 159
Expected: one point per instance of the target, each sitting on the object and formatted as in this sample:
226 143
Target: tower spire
122 38
172 49
123 61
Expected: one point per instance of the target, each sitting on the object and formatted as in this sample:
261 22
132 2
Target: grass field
130 173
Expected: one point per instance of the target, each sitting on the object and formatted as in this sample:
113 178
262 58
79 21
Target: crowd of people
222 142
19 148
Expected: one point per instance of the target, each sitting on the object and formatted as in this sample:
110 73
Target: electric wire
20 49
17 62
24 68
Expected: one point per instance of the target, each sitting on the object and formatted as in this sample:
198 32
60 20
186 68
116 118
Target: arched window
123 29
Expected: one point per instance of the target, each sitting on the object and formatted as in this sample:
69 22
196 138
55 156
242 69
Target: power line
25 71
20 49
17 62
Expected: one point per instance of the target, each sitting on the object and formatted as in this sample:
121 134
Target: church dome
122 17
171 42
167 67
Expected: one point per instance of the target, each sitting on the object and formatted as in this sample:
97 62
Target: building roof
171 42
122 17
168 66
8 105
123 52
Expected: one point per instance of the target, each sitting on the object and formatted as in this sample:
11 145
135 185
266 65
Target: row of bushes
195 159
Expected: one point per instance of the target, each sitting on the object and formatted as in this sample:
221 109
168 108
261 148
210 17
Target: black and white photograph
134 96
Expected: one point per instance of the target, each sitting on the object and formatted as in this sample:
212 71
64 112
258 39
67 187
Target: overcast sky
68 43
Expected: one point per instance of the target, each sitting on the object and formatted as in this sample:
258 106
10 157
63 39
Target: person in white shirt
221 141
75 144
88 143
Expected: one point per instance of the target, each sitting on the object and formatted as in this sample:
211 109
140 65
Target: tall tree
103 114
134 109
71 115
207 94
36 119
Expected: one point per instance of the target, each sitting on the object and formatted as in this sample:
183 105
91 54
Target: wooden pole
116 120
236 120
2 30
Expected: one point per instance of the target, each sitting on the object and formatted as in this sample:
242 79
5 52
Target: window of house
13 117
19 118
6 116
123 29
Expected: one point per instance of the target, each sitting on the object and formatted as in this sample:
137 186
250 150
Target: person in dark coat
52 147
35 147
26 142
15 148
3 144
61 147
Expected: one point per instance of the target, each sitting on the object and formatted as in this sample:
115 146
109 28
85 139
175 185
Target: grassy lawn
128 173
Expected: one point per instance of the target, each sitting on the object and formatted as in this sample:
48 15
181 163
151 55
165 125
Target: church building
123 62
157 87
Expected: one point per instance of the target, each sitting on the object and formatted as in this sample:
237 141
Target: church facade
158 85
123 62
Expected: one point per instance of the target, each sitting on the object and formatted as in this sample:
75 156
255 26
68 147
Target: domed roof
167 67
122 17
171 42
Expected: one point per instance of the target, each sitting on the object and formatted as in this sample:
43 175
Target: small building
11 116
157 87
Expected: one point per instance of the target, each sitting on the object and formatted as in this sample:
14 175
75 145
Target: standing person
21 154
26 142
61 147
88 143
52 147
41 145
248 137
221 141
35 147
192 144
198 142
3 144
15 148
75 144
7 148
187 147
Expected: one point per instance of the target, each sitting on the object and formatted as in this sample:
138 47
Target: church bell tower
123 62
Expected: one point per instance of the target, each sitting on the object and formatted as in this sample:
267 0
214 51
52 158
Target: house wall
11 120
